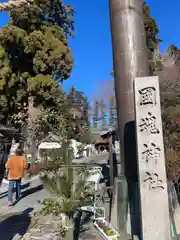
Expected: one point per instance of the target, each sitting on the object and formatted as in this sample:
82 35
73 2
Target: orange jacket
16 166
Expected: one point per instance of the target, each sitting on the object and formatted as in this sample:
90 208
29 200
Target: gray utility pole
130 61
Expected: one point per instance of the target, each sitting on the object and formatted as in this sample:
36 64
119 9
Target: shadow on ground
29 192
15 224
81 222
24 186
32 190
25 193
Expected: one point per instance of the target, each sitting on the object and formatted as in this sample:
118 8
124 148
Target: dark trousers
17 184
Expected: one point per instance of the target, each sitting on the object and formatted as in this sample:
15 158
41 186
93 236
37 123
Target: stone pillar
151 160
130 61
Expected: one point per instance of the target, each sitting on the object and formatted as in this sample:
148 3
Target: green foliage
78 100
51 206
78 103
53 118
112 111
58 119
102 107
49 11
111 74
85 135
95 114
34 60
66 184
34 55
151 28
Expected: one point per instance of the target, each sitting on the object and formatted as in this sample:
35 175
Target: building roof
50 138
101 136
49 145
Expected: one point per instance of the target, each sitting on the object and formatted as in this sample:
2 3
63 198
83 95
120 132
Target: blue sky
92 44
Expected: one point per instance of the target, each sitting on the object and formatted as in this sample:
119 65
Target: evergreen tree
34 57
56 119
86 109
96 115
112 111
71 96
151 29
77 100
102 106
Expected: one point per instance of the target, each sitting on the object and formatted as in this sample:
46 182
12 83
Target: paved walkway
32 193
14 221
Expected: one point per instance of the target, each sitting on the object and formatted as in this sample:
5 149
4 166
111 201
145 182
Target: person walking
16 165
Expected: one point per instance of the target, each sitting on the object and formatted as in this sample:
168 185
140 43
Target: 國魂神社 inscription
147 96
148 124
151 153
151 160
153 181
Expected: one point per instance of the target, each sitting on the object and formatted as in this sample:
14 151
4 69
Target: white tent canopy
49 145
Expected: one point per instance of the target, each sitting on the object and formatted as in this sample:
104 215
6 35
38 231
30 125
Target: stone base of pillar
120 219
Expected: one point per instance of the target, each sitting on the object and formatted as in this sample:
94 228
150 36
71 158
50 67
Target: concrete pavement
32 191
16 219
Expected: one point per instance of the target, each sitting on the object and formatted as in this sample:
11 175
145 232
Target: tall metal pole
130 61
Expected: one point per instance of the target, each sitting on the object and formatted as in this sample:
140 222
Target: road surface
14 221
